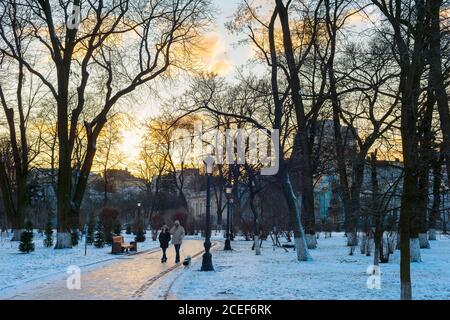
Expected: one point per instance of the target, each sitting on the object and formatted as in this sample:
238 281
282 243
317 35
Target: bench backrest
118 239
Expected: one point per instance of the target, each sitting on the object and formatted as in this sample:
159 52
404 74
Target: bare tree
437 83
108 155
17 99
408 40
436 206
116 46
153 161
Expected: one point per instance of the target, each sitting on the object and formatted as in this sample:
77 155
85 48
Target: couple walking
177 234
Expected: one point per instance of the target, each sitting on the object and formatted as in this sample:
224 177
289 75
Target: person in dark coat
164 240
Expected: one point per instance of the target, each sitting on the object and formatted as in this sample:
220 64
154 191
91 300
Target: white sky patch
131 144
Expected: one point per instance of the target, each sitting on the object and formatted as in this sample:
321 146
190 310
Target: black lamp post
139 213
231 219
228 192
140 235
207 257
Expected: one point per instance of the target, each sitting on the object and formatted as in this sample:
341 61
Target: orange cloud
211 54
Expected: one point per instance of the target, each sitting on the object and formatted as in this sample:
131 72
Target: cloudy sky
221 55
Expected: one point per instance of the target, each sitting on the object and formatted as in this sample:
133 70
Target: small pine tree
48 241
75 237
128 231
117 228
108 233
91 230
99 239
140 235
26 240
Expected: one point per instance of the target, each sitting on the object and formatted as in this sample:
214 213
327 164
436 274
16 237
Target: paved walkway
126 279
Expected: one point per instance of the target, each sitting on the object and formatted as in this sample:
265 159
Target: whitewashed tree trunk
414 249
370 243
17 234
352 250
391 243
385 248
302 250
63 240
406 291
432 234
397 246
352 239
311 241
423 241
363 246
257 247
377 253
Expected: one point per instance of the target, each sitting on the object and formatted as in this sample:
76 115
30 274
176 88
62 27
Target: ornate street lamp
207 257
228 192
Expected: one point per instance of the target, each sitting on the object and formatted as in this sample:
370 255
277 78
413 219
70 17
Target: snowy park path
127 278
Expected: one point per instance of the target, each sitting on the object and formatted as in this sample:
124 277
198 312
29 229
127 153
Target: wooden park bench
119 246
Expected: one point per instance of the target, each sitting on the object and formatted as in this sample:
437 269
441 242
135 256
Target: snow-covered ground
276 274
18 269
333 274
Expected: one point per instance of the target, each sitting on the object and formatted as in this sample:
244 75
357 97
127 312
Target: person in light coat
177 233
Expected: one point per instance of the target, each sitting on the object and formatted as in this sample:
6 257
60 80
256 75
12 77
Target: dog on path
187 262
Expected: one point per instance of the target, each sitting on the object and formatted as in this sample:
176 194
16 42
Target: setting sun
131 140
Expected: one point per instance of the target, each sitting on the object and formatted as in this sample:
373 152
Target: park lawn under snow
17 269
332 274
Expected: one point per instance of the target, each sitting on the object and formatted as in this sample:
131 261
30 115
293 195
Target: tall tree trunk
64 201
437 79
351 187
64 185
354 210
301 138
105 187
8 201
81 183
21 205
426 152
16 193
423 209
288 191
436 206
376 211
294 212
256 229
411 64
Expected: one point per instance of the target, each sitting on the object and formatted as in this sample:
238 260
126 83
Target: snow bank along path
122 279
